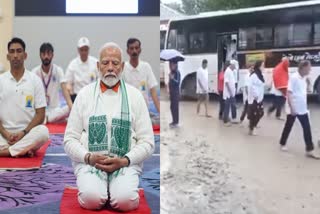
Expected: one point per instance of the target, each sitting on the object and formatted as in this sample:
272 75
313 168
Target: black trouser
255 113
73 97
277 104
244 111
304 121
229 103
221 102
174 106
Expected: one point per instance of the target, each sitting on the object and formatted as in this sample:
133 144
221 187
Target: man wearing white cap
139 73
82 70
53 78
108 137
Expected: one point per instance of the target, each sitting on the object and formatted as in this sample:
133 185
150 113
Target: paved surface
248 173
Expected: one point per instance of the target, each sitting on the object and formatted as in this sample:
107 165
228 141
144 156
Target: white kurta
124 188
255 89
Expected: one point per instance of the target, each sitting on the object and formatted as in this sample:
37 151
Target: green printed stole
120 130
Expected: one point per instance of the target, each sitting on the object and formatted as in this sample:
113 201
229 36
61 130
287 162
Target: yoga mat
24 163
70 204
56 128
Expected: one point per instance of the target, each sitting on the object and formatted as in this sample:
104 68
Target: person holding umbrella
173 56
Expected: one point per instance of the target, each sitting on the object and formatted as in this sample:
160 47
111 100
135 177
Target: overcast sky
170 1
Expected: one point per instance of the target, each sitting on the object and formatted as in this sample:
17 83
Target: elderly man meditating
108 136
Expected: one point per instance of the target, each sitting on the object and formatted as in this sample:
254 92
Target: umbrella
171 55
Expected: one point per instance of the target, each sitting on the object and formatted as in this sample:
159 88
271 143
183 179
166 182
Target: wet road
256 177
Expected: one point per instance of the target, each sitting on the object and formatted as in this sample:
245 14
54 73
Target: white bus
262 33
164 66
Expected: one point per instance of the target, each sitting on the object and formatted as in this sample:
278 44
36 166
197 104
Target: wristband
126 157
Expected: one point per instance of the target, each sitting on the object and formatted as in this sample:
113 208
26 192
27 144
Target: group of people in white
294 94
109 131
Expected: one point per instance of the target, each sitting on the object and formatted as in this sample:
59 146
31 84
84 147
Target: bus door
227 46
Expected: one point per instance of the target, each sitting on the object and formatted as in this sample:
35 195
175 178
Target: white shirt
245 85
18 100
229 78
108 103
236 70
255 89
298 87
57 77
141 77
80 74
202 77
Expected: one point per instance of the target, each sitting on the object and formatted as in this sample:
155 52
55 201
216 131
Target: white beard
109 81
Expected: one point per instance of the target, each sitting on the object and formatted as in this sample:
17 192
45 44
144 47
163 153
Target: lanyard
46 84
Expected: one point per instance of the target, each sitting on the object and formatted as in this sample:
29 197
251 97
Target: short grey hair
111 45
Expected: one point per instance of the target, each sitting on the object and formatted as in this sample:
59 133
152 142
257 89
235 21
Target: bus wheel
189 87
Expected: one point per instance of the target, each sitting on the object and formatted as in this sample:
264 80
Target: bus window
197 42
172 40
301 34
162 39
181 43
281 35
292 35
247 38
316 38
212 41
263 37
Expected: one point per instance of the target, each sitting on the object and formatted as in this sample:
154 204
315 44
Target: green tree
176 6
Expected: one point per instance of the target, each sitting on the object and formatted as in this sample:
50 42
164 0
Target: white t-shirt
80 74
229 78
298 87
56 77
18 100
140 77
202 76
255 89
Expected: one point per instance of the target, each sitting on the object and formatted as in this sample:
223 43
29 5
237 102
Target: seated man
53 78
108 136
22 106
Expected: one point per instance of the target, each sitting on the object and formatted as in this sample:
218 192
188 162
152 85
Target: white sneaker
234 121
312 154
253 132
284 148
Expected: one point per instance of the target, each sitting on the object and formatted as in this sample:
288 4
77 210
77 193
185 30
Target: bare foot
30 154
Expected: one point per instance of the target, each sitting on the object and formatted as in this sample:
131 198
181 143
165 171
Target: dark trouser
244 111
73 97
174 106
277 104
221 102
255 113
229 103
304 121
